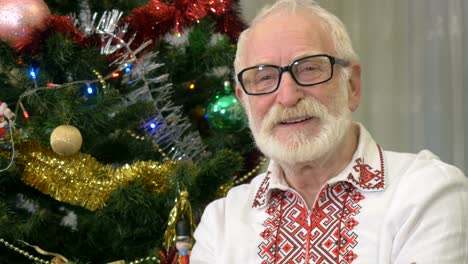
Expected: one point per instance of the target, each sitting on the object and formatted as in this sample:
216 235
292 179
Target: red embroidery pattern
329 238
368 177
260 196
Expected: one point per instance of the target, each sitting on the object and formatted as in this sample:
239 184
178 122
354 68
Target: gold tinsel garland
181 209
82 180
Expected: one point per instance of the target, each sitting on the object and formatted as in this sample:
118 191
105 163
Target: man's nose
289 92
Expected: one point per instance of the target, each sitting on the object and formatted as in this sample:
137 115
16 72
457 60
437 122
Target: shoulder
426 214
221 212
424 167
224 222
415 179
238 197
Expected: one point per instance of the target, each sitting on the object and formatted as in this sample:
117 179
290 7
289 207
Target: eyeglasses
307 71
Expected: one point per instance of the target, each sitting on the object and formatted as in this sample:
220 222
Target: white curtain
415 71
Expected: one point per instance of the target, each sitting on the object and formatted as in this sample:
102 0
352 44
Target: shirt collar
366 171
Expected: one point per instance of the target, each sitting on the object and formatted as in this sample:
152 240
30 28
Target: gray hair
331 23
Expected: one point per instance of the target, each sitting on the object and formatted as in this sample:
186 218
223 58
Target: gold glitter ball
66 140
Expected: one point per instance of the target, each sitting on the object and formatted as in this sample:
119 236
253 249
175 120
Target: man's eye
309 68
264 77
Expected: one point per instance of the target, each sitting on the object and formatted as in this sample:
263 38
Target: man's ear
354 87
240 95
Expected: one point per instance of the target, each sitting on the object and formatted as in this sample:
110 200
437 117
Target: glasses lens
312 70
261 79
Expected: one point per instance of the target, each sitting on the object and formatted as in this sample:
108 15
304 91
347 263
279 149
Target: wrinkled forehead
286 34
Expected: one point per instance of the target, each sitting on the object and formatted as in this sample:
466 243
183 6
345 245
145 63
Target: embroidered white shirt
384 207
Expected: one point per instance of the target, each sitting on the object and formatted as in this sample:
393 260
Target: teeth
295 120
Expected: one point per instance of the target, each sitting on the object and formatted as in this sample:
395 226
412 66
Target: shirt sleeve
434 223
208 235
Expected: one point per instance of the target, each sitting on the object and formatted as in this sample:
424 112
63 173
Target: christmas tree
117 122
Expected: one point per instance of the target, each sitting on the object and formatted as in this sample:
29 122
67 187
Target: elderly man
331 194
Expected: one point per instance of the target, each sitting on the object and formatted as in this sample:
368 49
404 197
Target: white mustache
305 108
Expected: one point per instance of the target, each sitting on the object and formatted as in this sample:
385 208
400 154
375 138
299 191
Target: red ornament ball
18 18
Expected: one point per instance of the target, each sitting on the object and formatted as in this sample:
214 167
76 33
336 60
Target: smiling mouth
295 121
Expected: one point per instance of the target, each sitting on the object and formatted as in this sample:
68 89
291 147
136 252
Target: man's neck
308 178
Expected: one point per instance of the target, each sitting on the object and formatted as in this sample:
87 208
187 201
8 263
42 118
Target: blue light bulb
90 90
128 68
32 73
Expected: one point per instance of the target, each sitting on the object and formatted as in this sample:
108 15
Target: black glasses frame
288 68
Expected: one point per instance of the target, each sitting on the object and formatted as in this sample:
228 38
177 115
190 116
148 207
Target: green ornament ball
225 113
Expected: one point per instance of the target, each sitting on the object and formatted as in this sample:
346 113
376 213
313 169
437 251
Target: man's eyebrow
305 54
268 61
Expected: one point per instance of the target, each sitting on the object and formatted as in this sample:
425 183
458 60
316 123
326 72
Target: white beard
301 146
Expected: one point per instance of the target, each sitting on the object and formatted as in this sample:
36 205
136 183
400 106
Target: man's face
294 124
